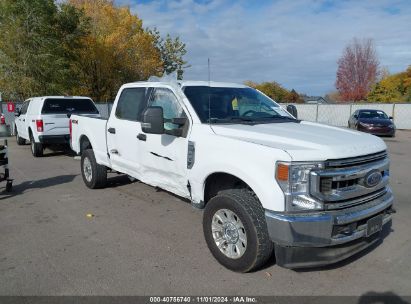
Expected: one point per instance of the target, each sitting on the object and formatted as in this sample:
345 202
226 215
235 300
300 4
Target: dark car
372 121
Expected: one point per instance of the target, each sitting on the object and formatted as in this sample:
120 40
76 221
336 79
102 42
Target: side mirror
17 112
391 117
292 109
153 121
356 116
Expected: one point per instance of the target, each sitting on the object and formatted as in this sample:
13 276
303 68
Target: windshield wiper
249 120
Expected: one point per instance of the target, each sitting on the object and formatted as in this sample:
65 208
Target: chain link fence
330 114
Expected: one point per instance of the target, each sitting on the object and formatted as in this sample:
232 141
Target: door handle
113 151
111 130
142 137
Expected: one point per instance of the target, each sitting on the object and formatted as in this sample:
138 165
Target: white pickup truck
313 194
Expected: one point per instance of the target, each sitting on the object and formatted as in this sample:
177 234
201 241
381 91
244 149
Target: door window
131 103
166 99
24 107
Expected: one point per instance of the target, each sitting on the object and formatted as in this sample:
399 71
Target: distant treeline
79 47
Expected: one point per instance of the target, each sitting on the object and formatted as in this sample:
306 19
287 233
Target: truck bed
93 129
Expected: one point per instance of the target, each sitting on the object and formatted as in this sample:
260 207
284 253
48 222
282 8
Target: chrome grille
342 182
353 161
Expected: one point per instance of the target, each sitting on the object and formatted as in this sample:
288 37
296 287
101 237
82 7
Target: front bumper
321 238
55 139
377 130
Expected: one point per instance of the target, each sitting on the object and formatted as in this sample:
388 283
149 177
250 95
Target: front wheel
235 230
94 175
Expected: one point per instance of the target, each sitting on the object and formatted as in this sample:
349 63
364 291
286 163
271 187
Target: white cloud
296 43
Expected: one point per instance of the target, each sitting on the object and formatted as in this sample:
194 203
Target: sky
294 42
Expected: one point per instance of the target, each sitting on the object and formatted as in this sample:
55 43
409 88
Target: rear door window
68 105
132 102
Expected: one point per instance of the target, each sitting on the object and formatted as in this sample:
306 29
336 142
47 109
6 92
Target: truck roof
190 83
62 97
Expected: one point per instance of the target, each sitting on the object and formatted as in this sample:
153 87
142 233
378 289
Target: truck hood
305 141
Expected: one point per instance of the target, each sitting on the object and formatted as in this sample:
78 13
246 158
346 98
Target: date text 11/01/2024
205 299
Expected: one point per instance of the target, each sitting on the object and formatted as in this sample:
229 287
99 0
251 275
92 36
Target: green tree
172 52
38 40
275 91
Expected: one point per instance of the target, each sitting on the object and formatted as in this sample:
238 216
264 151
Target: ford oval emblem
372 179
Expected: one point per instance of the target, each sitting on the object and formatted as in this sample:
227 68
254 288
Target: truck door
122 129
21 123
164 156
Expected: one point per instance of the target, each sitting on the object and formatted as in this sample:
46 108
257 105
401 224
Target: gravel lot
140 241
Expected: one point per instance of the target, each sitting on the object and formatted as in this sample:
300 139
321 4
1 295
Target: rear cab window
68 106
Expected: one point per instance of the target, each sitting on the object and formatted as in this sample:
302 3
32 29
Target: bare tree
357 70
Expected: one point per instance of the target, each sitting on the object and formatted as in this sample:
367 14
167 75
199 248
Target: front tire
235 230
94 175
36 148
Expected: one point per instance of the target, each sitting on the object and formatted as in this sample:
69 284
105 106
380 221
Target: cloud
296 43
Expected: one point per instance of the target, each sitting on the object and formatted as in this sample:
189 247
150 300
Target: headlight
294 180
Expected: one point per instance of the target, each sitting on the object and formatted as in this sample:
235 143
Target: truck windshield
234 105
68 105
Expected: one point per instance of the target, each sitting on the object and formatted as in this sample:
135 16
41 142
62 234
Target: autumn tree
357 70
38 43
392 88
117 49
293 97
273 90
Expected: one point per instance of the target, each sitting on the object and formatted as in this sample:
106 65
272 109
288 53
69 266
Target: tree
38 40
172 51
392 88
357 70
293 97
333 96
117 49
271 89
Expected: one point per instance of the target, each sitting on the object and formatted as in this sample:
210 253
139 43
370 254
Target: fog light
345 229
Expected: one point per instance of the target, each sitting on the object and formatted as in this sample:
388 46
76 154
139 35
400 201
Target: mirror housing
153 120
292 109
391 117
356 116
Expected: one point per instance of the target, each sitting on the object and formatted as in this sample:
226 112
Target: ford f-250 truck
313 194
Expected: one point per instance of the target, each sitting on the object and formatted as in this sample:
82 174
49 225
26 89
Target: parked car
44 121
376 122
3 126
314 194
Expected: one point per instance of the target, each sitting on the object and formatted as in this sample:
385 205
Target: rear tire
36 148
243 243
20 141
94 175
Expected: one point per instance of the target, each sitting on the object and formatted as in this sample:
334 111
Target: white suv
45 120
